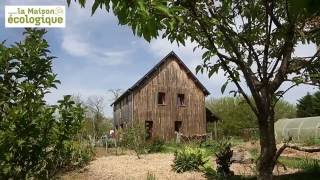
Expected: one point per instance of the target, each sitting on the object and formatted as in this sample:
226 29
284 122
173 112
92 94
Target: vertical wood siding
171 79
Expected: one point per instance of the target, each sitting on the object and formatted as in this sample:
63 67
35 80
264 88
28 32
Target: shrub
223 160
188 159
156 145
210 173
236 116
35 138
133 137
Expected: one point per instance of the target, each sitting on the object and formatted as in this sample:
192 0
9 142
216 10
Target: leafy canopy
249 40
309 105
35 138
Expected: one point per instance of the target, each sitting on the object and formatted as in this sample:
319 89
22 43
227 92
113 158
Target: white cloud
77 46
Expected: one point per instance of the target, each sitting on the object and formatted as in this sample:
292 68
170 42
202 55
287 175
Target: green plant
223 159
250 41
312 141
210 173
156 145
237 119
309 105
151 176
188 159
307 165
35 138
133 137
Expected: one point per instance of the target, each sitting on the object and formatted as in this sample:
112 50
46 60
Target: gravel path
130 167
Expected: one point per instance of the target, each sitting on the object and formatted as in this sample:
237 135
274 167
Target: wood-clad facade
168 98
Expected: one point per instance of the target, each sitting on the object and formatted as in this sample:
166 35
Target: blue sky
96 54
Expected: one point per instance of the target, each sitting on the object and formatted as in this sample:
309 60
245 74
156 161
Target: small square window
161 98
177 126
180 100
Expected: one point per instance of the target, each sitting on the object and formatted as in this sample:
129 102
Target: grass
151 176
306 165
312 141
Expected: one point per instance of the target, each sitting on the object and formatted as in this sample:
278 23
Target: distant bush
237 119
309 105
188 159
133 137
156 145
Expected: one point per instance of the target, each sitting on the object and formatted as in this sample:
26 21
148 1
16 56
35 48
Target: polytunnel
299 129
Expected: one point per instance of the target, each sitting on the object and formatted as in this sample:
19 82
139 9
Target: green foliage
35 138
224 155
309 105
188 159
237 117
133 137
312 142
151 176
156 145
250 41
210 173
307 165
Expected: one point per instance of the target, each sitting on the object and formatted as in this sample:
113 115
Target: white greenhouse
299 129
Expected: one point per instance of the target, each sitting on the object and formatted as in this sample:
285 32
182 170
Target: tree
35 138
115 93
235 114
309 105
95 123
253 42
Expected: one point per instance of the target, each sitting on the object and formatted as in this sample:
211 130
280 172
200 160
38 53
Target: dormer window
181 100
161 98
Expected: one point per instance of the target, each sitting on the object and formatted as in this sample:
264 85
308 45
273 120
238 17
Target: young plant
188 159
133 137
223 160
157 145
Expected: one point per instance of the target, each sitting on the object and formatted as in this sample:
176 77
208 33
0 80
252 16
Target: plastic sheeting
299 129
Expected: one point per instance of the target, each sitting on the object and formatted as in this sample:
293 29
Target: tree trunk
266 161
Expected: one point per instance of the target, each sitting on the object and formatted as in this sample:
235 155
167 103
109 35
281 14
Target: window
180 100
161 98
149 128
177 126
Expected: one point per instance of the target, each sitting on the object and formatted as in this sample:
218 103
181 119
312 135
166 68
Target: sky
95 54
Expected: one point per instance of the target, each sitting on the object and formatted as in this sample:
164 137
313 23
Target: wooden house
168 99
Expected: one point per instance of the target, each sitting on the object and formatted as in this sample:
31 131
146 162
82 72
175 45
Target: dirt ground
126 165
130 167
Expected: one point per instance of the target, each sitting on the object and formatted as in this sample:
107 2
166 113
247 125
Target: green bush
237 118
156 145
223 160
133 137
307 165
35 138
210 173
309 105
188 159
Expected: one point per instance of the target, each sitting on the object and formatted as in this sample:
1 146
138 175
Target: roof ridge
171 53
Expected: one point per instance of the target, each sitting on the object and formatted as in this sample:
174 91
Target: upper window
180 100
161 98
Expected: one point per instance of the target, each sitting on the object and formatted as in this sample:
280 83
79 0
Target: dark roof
145 77
211 116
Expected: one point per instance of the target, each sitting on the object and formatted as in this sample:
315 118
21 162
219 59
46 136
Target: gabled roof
156 67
